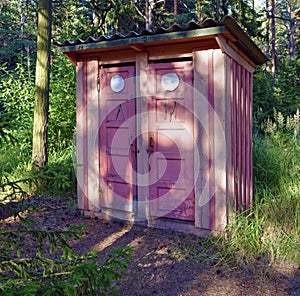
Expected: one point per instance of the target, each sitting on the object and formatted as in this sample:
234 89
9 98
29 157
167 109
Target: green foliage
17 35
57 178
16 99
16 93
271 229
16 117
77 275
122 17
62 107
242 11
5 126
51 267
283 95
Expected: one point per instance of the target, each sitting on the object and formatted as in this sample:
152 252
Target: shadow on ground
170 263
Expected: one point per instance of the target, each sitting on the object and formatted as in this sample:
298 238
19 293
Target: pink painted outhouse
164 124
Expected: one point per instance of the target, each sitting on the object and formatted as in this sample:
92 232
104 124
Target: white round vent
170 81
117 83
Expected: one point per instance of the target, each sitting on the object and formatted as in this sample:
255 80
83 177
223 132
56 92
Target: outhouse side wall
87 123
210 135
241 77
223 106
81 153
239 84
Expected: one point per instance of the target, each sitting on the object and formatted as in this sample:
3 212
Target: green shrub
43 272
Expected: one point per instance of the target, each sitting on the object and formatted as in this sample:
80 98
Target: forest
270 230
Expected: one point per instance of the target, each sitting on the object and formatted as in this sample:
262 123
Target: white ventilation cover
117 83
170 81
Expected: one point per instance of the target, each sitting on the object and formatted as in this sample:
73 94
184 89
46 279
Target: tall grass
272 228
57 178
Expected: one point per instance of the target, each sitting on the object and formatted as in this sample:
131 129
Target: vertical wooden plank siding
211 160
219 140
210 107
250 138
201 153
142 126
238 136
229 192
92 136
233 129
81 143
241 120
247 144
243 146
79 135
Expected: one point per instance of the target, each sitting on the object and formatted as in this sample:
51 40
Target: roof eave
228 28
244 42
143 39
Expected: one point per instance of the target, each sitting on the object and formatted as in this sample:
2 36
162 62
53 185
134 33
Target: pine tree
41 105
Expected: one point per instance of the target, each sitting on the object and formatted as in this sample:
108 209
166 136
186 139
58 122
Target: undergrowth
271 228
42 271
57 178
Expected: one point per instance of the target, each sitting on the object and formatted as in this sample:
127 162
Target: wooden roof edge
243 41
208 28
145 39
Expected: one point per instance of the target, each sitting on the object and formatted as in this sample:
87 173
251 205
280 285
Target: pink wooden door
171 148
117 138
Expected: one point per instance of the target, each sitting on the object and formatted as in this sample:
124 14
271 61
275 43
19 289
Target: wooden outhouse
164 124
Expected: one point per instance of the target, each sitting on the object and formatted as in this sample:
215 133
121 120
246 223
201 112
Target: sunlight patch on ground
108 241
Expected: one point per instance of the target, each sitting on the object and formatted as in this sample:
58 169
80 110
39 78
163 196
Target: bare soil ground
167 262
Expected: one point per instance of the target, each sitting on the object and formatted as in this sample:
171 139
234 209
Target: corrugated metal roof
160 30
192 30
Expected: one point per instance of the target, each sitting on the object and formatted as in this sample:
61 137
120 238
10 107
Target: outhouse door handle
151 144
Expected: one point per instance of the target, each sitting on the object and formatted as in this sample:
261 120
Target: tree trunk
149 14
41 104
217 12
224 7
273 30
267 31
292 34
175 10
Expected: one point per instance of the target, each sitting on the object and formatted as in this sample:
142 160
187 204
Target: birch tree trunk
41 103
149 14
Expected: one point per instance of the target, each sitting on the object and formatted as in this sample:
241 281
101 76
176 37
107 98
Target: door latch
151 143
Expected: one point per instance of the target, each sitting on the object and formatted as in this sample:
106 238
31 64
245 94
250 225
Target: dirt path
170 263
